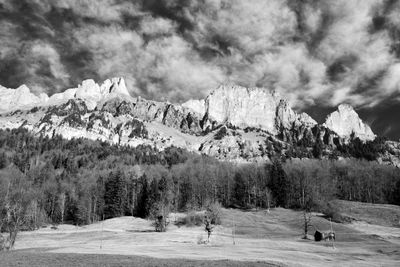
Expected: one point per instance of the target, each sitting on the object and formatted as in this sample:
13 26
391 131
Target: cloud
157 26
391 80
314 52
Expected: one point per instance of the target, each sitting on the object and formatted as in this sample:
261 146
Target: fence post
233 229
101 237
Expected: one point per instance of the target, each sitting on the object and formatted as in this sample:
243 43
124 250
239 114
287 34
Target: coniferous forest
79 181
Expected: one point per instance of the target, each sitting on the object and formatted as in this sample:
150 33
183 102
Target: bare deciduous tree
14 206
307 216
208 227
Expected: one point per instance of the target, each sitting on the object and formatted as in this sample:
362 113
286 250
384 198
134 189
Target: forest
79 181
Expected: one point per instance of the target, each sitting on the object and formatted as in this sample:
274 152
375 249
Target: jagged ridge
257 122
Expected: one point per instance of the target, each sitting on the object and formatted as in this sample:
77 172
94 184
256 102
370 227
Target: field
261 239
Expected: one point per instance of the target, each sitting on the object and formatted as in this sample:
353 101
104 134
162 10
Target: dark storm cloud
172 10
40 40
314 52
340 66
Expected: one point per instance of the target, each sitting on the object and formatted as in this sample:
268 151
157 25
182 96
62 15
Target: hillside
232 123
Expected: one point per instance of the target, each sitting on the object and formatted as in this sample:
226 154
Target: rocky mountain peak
232 123
249 107
243 107
118 86
239 106
23 89
18 98
230 104
345 122
287 118
92 93
89 91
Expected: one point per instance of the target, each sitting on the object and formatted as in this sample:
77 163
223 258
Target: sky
317 54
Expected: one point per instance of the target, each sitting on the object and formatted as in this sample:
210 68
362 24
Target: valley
205 133
94 152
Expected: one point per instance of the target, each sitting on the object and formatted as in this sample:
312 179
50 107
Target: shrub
332 212
159 213
193 218
214 213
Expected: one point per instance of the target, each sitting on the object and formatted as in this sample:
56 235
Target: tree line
79 181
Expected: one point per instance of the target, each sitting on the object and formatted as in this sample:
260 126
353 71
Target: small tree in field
307 205
213 212
212 218
208 227
307 216
159 212
160 195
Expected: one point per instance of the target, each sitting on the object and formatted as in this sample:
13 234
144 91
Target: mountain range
232 123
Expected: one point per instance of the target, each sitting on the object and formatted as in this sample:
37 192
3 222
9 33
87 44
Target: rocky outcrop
243 107
60 98
89 91
92 93
346 123
198 106
286 118
249 108
171 115
12 99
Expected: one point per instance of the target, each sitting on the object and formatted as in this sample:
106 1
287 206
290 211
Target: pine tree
279 184
3 160
239 190
142 208
114 196
317 149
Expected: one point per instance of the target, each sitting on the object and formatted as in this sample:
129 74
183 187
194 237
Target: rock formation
89 91
346 122
19 98
231 123
249 107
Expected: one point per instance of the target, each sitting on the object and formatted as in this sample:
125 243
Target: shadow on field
38 258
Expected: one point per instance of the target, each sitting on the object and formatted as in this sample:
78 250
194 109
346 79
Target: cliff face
249 107
231 123
243 107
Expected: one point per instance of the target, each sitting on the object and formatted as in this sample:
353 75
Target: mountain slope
231 123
